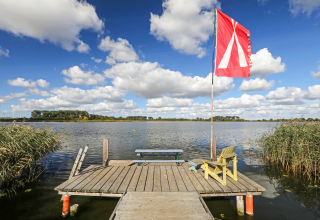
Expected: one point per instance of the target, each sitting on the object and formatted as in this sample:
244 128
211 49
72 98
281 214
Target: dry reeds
21 147
294 146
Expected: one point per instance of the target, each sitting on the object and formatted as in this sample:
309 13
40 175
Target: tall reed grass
21 148
294 146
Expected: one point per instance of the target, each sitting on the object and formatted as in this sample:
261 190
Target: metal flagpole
213 145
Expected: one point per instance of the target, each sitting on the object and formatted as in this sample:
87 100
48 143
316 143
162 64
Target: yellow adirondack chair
226 156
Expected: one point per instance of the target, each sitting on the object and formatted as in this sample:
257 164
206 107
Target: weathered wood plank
248 185
215 184
186 179
117 183
106 187
172 182
102 181
241 187
105 152
81 160
142 179
87 180
75 163
179 181
164 179
94 181
125 183
149 181
247 179
156 180
204 182
194 180
70 180
72 186
134 181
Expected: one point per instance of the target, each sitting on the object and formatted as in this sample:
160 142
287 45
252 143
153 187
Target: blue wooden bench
153 152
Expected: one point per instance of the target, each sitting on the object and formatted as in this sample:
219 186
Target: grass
294 146
21 148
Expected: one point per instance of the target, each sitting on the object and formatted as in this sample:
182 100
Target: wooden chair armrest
213 162
229 155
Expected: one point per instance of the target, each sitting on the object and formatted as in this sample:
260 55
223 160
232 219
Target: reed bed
21 148
294 146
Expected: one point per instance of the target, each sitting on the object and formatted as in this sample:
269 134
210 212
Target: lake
295 199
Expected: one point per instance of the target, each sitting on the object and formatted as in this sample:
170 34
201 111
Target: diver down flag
233 48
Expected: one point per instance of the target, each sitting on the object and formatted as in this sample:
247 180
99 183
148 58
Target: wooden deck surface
119 179
161 206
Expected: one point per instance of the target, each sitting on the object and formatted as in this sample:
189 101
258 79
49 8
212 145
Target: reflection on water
193 137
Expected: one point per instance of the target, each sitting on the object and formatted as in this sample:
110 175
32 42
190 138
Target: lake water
296 200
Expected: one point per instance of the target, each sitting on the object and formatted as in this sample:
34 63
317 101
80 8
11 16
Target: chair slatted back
225 152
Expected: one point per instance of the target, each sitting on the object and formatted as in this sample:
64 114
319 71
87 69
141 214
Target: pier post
105 151
240 205
66 205
214 151
249 204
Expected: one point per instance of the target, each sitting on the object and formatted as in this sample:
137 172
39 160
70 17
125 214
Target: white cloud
313 92
316 75
120 50
185 24
22 82
283 96
163 110
262 2
303 6
169 102
109 106
57 21
83 65
315 105
149 80
4 52
36 91
43 83
256 84
245 101
279 81
264 64
96 60
19 95
79 77
77 95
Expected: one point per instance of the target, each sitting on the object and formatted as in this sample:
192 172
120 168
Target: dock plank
102 181
186 179
240 186
125 183
172 182
117 183
180 183
67 182
88 180
142 179
204 182
94 181
149 181
164 179
194 180
134 181
247 179
156 180
108 184
215 184
250 187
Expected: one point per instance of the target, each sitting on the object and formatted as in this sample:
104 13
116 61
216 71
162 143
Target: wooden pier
154 190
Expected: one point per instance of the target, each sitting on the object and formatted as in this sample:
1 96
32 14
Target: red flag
233 48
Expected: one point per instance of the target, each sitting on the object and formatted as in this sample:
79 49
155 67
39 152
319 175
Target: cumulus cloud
43 83
149 80
283 96
77 95
316 75
263 64
22 82
303 6
169 102
79 77
313 92
4 52
59 21
315 105
256 84
18 95
96 60
36 91
245 101
109 106
185 24
120 50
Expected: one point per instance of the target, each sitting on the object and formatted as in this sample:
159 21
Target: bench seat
158 161
144 154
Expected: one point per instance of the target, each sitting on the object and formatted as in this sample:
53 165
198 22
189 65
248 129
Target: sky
154 58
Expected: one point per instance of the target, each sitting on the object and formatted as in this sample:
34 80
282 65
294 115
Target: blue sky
154 58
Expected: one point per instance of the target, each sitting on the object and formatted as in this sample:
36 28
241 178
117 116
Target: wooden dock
115 180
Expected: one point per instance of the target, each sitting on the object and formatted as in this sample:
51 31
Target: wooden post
81 160
105 151
213 150
240 205
249 204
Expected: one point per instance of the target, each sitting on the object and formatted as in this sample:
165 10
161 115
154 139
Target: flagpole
213 143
